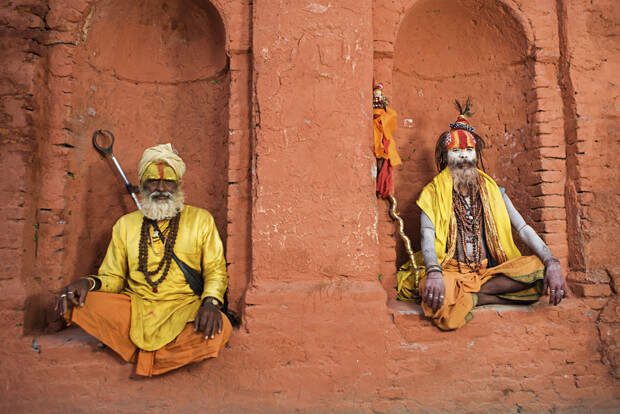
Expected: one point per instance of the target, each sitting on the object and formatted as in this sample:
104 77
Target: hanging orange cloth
384 125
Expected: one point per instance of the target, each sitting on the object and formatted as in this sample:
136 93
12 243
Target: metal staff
103 140
401 230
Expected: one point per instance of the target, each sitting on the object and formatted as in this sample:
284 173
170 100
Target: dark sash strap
196 282
193 277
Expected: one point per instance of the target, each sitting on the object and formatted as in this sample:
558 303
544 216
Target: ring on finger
441 296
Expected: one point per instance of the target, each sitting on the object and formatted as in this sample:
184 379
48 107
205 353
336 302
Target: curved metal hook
106 150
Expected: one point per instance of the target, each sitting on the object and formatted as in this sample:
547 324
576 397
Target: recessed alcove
151 72
447 50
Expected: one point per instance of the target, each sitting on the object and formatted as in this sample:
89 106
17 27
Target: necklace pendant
155 290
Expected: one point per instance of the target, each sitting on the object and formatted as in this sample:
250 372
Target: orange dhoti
461 288
107 316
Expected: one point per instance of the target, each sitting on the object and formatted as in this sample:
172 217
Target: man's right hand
434 290
72 295
208 320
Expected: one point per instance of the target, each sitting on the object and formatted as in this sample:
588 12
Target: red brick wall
589 67
306 240
22 112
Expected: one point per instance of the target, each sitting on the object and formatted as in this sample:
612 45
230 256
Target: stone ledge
410 308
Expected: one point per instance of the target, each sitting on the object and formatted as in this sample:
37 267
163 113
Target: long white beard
465 176
161 209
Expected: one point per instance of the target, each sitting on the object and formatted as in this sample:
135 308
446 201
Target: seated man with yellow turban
147 303
469 255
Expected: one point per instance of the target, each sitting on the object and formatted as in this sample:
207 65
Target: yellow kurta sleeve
113 270
213 263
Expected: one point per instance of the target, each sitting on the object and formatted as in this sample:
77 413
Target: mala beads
469 221
143 253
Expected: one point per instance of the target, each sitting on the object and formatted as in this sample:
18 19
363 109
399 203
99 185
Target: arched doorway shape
152 72
449 49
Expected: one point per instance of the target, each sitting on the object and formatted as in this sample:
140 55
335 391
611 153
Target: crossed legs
497 286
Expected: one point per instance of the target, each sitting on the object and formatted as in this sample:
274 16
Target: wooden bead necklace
469 223
143 252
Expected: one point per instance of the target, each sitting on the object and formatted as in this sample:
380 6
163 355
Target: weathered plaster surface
285 135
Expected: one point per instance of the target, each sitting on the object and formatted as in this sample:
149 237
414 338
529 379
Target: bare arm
427 230
527 233
554 280
434 289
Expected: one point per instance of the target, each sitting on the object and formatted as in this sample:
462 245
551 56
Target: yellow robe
158 318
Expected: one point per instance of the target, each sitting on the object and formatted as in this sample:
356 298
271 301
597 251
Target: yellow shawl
436 201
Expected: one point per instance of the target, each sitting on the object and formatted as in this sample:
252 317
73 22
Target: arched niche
151 72
448 49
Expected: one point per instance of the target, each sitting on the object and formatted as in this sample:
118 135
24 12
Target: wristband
434 268
93 283
213 301
551 259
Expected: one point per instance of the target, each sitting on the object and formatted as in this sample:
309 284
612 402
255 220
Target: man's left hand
208 320
554 282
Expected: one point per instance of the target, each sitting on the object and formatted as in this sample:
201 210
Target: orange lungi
461 288
107 316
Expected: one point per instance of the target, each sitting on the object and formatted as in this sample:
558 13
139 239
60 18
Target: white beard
464 176
161 209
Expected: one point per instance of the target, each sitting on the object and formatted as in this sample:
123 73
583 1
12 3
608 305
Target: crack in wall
576 257
499 69
112 73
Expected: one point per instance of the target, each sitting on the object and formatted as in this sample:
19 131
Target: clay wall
589 82
269 105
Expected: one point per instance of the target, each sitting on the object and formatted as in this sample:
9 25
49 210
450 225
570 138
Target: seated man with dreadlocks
147 302
467 246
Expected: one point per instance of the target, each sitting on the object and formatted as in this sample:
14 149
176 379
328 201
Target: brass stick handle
401 228
401 232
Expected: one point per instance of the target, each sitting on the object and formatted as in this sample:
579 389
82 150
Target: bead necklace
469 221
143 253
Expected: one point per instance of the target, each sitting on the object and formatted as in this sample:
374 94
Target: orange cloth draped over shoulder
107 317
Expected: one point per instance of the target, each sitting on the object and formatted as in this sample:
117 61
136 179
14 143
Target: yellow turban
161 154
